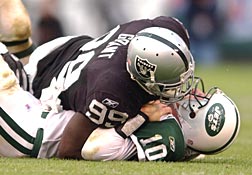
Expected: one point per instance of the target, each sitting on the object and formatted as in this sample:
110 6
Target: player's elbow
103 145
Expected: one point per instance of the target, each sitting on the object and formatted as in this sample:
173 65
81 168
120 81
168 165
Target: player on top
208 123
112 81
114 78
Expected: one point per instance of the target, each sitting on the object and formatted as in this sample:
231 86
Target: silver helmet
160 62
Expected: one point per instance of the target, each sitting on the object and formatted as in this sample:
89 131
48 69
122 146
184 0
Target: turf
234 79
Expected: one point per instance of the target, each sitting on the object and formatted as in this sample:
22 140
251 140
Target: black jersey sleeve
52 64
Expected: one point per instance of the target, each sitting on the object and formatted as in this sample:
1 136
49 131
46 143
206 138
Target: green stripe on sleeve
13 125
13 142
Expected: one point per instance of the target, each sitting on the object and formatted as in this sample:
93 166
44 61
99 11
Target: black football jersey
94 71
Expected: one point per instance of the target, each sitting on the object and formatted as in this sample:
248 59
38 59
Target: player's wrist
145 116
131 125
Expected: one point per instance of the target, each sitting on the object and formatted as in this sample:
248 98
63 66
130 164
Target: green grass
234 79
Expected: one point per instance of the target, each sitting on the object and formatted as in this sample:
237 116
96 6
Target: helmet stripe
170 44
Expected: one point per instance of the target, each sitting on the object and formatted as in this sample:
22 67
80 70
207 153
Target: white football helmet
210 123
161 63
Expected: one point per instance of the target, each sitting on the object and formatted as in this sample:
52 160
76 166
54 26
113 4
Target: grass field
234 79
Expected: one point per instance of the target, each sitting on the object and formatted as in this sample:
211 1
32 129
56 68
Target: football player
27 127
112 81
114 78
210 123
27 130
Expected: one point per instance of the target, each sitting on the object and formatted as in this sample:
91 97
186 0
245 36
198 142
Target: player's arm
151 111
80 127
106 144
115 143
74 136
155 141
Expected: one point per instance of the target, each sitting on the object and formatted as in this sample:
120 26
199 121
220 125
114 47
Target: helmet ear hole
192 115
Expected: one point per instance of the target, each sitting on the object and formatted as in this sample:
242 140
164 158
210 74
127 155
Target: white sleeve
41 51
107 144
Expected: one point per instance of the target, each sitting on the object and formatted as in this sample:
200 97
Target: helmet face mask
170 93
202 100
161 63
210 123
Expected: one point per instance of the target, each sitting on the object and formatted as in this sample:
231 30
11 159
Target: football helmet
210 123
160 62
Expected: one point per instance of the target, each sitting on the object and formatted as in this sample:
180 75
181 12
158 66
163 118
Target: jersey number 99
101 115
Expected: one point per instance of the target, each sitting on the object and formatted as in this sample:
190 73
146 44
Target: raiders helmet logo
144 67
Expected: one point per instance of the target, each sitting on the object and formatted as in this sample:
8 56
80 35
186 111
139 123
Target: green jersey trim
160 141
37 141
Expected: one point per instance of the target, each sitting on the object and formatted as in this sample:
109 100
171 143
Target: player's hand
155 110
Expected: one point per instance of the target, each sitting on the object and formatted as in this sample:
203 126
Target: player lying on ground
168 80
27 131
109 79
210 123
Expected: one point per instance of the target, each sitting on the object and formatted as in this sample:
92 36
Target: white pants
20 122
